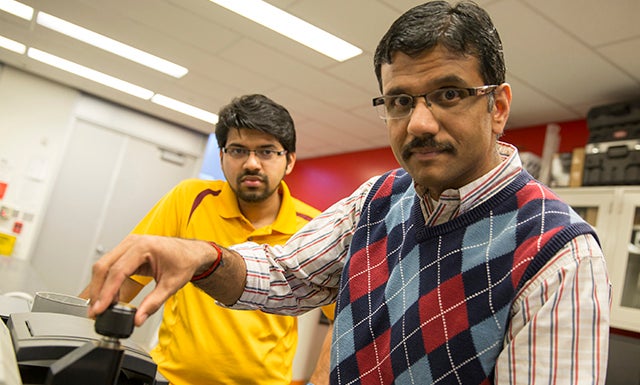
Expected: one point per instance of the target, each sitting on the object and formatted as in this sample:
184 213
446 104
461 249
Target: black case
612 154
43 340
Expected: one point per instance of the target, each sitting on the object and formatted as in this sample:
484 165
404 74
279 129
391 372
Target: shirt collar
283 223
286 221
454 202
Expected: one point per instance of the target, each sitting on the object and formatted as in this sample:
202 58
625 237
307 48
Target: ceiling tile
594 22
338 16
358 72
285 70
567 70
626 55
546 109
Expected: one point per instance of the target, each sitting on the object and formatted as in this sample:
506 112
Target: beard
254 194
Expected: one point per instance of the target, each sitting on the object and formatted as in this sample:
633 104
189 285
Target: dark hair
464 29
257 112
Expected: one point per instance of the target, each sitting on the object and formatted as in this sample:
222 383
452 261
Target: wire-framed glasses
402 105
242 153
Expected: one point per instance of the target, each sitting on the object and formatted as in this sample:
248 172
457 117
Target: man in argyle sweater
458 269
436 300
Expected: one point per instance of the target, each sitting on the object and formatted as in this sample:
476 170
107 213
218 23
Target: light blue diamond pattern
403 286
478 236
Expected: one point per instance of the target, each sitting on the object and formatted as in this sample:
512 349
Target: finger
99 273
152 302
109 274
107 294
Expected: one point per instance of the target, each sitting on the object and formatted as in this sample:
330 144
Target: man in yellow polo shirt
198 341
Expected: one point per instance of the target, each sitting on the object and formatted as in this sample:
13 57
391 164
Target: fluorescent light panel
292 27
90 74
121 85
184 108
12 45
110 45
17 9
107 44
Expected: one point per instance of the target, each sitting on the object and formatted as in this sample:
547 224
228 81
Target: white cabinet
615 213
107 182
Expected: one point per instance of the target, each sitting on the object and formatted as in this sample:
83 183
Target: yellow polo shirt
199 341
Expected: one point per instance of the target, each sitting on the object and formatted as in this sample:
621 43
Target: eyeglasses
243 153
402 105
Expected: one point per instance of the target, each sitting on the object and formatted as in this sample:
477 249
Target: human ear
291 161
501 107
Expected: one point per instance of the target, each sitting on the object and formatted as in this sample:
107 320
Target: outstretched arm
320 249
172 262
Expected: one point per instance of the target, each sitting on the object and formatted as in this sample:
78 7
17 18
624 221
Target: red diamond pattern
368 274
443 315
373 361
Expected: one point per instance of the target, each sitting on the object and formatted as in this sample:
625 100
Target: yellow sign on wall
6 244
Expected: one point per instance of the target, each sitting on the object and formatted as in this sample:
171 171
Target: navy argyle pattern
430 305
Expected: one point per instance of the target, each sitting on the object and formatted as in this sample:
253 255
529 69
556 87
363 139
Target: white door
107 182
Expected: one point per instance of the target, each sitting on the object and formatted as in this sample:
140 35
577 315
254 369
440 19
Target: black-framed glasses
241 153
402 105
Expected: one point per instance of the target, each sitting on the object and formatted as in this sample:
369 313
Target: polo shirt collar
283 223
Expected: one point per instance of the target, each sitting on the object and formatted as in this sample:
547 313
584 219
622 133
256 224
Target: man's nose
422 120
252 161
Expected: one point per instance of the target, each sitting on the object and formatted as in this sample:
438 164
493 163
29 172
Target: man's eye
402 101
451 94
266 152
236 151
447 97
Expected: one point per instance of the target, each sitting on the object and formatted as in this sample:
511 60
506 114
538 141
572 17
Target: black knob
116 321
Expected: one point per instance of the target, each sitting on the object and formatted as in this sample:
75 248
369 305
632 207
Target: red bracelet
213 266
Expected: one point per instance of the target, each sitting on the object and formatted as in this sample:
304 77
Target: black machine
57 349
612 154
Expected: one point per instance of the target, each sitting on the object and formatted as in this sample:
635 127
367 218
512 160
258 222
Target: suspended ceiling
563 57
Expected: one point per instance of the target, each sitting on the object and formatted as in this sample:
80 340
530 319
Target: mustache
252 174
425 142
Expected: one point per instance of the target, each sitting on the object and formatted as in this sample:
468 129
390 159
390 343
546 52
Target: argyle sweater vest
431 305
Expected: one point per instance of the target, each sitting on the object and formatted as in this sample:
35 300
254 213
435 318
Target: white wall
35 117
36 120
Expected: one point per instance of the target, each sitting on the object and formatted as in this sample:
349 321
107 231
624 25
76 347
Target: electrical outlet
6 212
